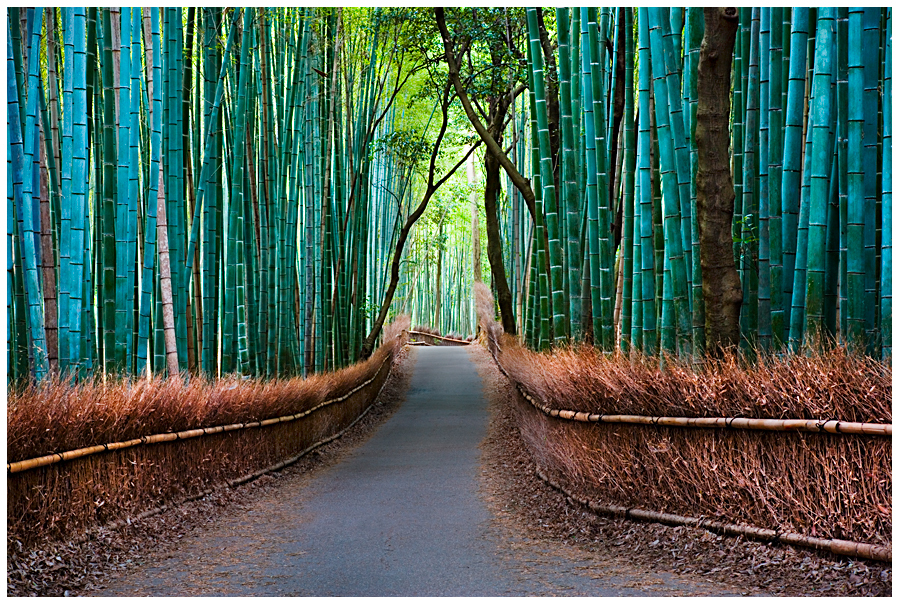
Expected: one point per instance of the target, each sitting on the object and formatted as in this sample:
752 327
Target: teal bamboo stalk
887 228
150 276
22 160
871 43
839 228
597 42
123 296
798 298
662 37
629 211
560 329
774 159
792 154
109 248
764 312
80 171
749 225
637 284
821 119
66 286
649 335
672 222
570 197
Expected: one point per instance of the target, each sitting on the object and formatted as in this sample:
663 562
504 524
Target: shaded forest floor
756 567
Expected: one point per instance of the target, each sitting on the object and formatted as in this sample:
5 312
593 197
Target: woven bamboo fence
822 484
67 494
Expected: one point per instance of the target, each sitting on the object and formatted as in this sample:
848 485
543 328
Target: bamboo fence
572 469
24 465
58 502
836 427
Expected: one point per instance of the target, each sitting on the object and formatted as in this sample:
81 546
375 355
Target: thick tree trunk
722 293
495 250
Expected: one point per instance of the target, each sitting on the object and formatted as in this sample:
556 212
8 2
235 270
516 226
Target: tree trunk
722 293
495 250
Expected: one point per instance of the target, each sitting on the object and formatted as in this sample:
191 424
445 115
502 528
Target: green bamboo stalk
649 334
822 116
693 37
887 228
793 148
560 329
570 196
592 187
672 223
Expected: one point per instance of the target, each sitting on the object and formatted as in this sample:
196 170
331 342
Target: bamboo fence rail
31 463
836 427
444 338
838 547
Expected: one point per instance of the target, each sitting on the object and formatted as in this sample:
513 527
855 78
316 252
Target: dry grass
64 499
829 384
831 486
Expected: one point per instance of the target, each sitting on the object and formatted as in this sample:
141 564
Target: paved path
400 515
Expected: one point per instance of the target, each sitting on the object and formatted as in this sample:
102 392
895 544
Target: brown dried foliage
833 486
61 500
830 384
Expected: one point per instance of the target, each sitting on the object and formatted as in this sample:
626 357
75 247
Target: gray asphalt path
400 515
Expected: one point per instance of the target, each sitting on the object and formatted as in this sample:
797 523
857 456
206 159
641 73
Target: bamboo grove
606 137
199 189
222 191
